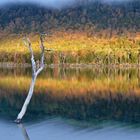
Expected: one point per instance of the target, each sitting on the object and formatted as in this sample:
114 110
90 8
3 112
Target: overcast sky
53 3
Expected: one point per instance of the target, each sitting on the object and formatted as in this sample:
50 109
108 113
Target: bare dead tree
35 71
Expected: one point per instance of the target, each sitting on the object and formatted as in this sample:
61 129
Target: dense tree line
90 17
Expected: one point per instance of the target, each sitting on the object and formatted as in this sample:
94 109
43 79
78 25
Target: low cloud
48 3
55 3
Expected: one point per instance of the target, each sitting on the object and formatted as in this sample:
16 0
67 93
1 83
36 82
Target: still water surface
71 104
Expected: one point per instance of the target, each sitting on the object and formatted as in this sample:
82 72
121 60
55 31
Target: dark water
93 103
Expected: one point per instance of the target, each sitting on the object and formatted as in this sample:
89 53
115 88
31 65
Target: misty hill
93 18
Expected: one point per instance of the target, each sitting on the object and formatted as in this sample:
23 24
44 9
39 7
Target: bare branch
28 45
42 51
42 55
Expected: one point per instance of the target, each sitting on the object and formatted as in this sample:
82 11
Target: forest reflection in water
83 94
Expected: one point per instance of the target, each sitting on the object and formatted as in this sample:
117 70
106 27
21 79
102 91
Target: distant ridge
95 17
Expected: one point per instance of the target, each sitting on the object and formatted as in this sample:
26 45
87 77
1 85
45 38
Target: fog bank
57 3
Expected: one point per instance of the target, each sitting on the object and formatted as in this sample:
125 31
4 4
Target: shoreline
82 65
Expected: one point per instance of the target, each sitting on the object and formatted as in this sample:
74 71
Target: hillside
94 18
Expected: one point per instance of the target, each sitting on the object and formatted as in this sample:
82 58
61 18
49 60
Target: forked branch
35 72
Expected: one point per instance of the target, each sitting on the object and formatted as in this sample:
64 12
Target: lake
71 103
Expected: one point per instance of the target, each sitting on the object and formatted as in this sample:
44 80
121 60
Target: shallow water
107 107
55 129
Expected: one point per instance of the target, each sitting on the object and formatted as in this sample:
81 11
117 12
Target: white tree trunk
35 72
27 101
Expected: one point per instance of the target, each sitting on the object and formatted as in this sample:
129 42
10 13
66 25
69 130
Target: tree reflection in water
24 132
